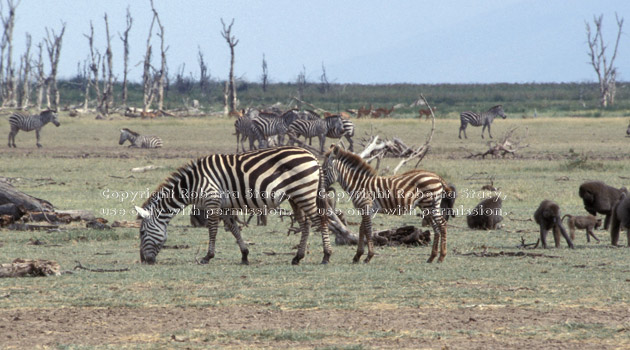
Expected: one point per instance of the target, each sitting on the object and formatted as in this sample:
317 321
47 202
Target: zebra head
498 110
51 116
152 235
329 167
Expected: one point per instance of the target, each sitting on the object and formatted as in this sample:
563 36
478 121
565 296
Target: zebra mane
334 116
131 132
496 107
313 113
350 159
172 179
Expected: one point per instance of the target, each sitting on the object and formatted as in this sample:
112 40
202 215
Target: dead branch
503 147
81 267
29 267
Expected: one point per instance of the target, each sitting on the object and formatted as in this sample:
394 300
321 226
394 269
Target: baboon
620 219
588 223
548 217
600 198
447 204
486 215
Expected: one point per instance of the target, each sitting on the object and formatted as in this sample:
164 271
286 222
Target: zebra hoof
295 261
39 146
244 262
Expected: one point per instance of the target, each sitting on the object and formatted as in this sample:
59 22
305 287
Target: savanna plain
524 298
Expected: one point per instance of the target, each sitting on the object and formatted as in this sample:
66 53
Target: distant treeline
450 99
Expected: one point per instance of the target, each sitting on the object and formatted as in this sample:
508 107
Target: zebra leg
37 135
439 240
322 142
463 128
489 133
304 227
319 220
12 134
237 138
230 224
365 232
212 214
351 148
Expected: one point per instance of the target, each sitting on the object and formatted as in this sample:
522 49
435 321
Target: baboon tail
565 215
445 186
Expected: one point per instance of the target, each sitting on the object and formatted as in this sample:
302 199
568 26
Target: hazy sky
361 41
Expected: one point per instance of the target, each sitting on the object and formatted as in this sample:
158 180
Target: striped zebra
485 119
138 140
22 121
223 185
347 131
396 195
316 127
244 128
267 125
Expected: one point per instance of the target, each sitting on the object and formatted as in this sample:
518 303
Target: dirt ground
479 327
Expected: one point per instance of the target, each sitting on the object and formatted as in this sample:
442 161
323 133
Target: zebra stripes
316 127
267 125
396 194
138 140
244 128
222 184
22 121
485 119
347 131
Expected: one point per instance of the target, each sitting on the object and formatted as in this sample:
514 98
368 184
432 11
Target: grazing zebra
396 194
267 125
347 131
316 127
22 121
628 130
223 185
138 140
485 119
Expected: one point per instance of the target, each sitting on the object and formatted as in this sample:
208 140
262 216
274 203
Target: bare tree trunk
86 87
606 72
41 77
301 85
162 73
204 77
26 74
108 89
125 39
147 77
232 42
265 74
95 63
226 98
53 45
9 97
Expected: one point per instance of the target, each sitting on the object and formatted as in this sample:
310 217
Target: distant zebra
396 194
245 129
22 121
347 132
485 119
138 140
268 125
222 185
628 131
317 127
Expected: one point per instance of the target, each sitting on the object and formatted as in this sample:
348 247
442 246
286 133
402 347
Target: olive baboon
620 219
588 223
486 215
548 217
447 204
600 198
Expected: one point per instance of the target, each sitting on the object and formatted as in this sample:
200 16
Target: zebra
138 140
347 131
396 194
267 125
318 127
224 185
22 121
628 131
244 128
485 119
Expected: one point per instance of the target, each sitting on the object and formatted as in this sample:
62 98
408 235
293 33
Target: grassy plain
569 299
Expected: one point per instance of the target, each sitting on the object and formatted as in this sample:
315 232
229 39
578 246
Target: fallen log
406 235
29 267
9 194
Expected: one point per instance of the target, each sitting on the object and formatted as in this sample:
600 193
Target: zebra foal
222 185
138 140
485 119
395 195
22 121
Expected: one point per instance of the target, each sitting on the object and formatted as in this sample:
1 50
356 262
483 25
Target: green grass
82 164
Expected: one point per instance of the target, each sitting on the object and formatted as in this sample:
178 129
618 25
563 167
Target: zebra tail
322 200
445 186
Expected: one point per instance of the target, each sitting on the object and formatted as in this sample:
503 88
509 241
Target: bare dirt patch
487 327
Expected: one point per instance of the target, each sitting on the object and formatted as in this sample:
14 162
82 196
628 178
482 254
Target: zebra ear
143 213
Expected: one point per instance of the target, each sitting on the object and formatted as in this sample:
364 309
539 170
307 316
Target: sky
357 41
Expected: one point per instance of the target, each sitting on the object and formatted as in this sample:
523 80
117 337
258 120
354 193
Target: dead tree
301 86
7 73
232 42
95 63
264 78
161 74
506 146
377 148
125 39
606 71
26 74
53 46
148 84
41 75
325 85
204 76
107 99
